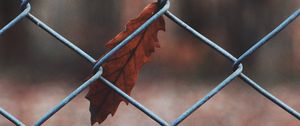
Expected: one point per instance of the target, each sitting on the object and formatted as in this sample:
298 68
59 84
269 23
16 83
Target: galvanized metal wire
165 5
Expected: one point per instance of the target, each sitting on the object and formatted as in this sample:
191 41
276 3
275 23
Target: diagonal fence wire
269 36
243 77
10 117
164 4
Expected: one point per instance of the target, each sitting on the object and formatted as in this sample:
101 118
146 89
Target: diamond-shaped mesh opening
159 82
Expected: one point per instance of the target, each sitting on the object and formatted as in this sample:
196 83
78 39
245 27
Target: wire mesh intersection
165 4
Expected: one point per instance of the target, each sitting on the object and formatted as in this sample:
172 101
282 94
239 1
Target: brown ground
236 105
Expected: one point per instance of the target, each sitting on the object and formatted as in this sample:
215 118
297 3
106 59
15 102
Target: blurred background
36 71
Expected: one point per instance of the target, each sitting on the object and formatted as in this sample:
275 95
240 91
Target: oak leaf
123 67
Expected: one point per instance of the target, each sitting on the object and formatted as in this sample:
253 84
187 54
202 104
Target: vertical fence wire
164 6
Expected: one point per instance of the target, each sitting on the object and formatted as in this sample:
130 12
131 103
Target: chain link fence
164 6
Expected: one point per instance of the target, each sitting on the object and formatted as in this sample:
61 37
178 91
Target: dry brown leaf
123 67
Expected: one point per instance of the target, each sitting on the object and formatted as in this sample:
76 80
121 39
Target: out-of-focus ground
237 105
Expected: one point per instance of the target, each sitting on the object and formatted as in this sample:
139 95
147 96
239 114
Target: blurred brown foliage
234 24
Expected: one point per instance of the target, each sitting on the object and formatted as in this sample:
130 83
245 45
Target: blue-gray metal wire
233 59
164 6
23 14
269 36
10 117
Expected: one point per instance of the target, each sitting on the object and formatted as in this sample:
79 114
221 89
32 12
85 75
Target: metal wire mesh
165 4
